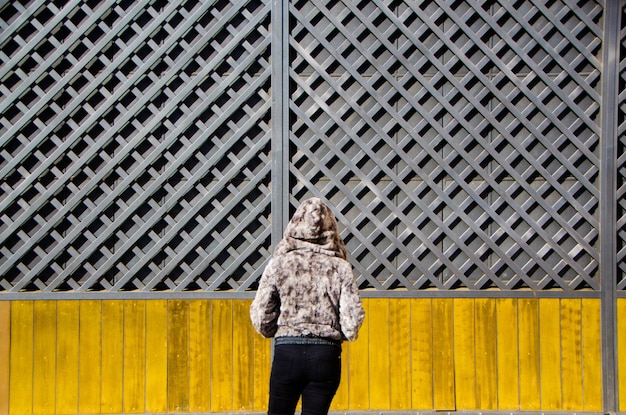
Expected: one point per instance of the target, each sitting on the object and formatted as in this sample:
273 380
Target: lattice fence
457 140
621 162
135 145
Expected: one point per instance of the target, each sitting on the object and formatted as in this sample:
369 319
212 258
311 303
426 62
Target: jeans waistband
305 340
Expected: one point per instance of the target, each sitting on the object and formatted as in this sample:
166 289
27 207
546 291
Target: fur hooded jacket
308 288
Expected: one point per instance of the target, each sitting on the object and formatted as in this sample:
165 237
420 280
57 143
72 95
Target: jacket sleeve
265 308
351 313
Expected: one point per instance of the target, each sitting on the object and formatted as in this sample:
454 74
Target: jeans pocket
327 366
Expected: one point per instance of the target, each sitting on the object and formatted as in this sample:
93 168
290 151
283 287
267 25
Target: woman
309 301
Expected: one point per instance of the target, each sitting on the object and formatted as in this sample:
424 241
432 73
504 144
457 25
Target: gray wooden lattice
458 141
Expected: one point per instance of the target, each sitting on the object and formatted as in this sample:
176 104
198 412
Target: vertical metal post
280 118
608 202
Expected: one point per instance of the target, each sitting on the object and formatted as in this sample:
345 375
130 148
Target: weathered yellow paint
486 366
67 357
156 356
5 355
262 367
178 387
592 355
400 353
529 375
550 354
464 353
44 369
243 359
621 354
199 355
222 356
359 371
90 360
112 356
443 354
421 354
379 391
22 358
572 361
507 340
134 356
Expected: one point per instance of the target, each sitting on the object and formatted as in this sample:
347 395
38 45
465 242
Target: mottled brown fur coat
308 288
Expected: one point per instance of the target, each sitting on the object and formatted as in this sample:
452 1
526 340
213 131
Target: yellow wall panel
621 353
550 353
203 355
380 389
486 367
529 386
572 361
67 357
90 360
507 341
199 355
156 356
112 356
243 358
443 354
5 355
262 367
222 356
400 353
44 369
178 361
21 365
464 354
134 356
592 355
359 371
421 354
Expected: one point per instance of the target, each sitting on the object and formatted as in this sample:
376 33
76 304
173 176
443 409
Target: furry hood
313 227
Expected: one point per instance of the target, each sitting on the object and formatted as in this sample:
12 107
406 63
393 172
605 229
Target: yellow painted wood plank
90 361
359 369
400 353
571 351
112 356
486 368
178 356
67 357
443 357
507 353
156 356
380 382
243 357
44 361
592 355
222 356
262 367
550 353
200 346
621 353
134 356
421 354
5 355
529 386
21 365
464 354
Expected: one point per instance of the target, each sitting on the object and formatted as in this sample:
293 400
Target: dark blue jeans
312 371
